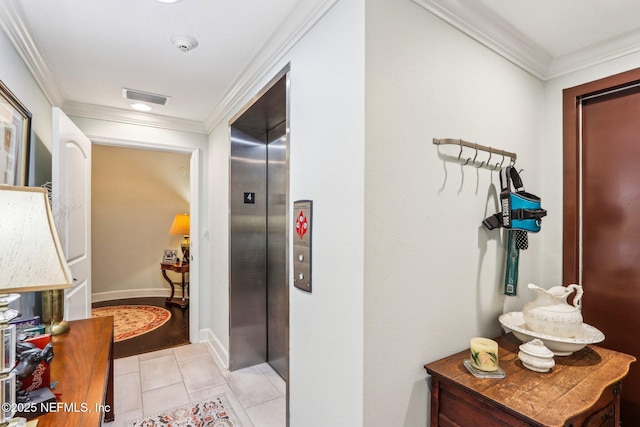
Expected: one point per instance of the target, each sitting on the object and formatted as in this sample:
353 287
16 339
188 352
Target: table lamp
31 259
181 227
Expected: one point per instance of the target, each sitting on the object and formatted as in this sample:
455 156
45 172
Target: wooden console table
82 368
183 269
581 390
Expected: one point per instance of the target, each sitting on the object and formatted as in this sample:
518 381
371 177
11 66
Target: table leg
109 415
184 301
164 274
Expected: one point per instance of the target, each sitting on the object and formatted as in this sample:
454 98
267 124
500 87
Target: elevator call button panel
302 210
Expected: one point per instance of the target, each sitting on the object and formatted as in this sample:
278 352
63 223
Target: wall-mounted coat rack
478 147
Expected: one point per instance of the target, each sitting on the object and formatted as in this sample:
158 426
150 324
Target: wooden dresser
581 390
82 368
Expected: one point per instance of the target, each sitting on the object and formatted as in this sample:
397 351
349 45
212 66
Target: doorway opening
136 193
190 171
259 200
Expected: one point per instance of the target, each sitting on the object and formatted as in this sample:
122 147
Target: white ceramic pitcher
551 314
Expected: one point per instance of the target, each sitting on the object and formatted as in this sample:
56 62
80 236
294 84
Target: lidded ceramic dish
535 356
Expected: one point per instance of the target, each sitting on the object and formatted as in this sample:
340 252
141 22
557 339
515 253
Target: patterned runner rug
130 321
212 412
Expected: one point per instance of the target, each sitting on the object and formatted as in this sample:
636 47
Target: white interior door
71 177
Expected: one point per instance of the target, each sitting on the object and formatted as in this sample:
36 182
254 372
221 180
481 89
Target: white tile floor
153 382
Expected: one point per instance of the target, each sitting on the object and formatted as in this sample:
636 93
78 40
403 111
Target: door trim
194 203
571 129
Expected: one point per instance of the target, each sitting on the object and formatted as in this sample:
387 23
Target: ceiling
83 53
547 38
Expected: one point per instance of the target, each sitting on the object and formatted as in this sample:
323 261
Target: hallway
257 394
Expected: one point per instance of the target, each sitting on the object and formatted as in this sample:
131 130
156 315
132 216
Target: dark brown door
610 228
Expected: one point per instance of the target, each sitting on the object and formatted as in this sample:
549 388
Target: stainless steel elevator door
277 303
248 290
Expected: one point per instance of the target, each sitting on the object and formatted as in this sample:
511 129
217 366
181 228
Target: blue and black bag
520 210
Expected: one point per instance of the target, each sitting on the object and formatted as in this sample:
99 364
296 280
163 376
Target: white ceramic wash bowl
514 322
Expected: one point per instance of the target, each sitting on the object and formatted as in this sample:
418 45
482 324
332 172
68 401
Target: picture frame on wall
170 256
15 139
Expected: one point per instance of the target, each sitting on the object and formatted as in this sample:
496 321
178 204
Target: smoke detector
183 42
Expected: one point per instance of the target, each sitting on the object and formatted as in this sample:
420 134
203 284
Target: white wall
433 276
327 166
552 149
15 75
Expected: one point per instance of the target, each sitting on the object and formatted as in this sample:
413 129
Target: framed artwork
15 139
170 256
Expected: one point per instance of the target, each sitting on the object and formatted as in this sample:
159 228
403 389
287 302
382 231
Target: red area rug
130 321
212 412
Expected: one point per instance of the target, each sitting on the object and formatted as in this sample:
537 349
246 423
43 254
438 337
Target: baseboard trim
218 351
134 293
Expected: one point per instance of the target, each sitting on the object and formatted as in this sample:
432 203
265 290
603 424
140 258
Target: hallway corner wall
434 276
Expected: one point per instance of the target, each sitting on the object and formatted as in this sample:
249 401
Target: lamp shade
180 225
31 257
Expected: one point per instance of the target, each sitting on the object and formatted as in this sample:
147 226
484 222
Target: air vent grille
152 98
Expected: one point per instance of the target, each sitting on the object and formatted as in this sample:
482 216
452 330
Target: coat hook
460 154
498 165
474 159
502 160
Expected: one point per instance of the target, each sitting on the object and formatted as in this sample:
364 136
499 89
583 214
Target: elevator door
259 305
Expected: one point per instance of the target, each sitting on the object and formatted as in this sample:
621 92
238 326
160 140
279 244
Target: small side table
582 390
178 268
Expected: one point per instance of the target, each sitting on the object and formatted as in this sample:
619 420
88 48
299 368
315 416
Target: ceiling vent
151 98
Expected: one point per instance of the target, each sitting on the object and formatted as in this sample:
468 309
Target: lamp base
53 312
185 250
61 327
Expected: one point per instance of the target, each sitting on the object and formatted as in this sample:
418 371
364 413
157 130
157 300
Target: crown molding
484 26
598 53
118 115
19 34
305 15
490 30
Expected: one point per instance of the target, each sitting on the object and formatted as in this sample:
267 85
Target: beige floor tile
126 365
163 398
155 354
272 413
122 418
274 377
159 372
251 386
200 372
188 351
129 394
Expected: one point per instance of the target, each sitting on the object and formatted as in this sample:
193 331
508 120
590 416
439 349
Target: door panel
247 293
610 226
71 174
277 303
